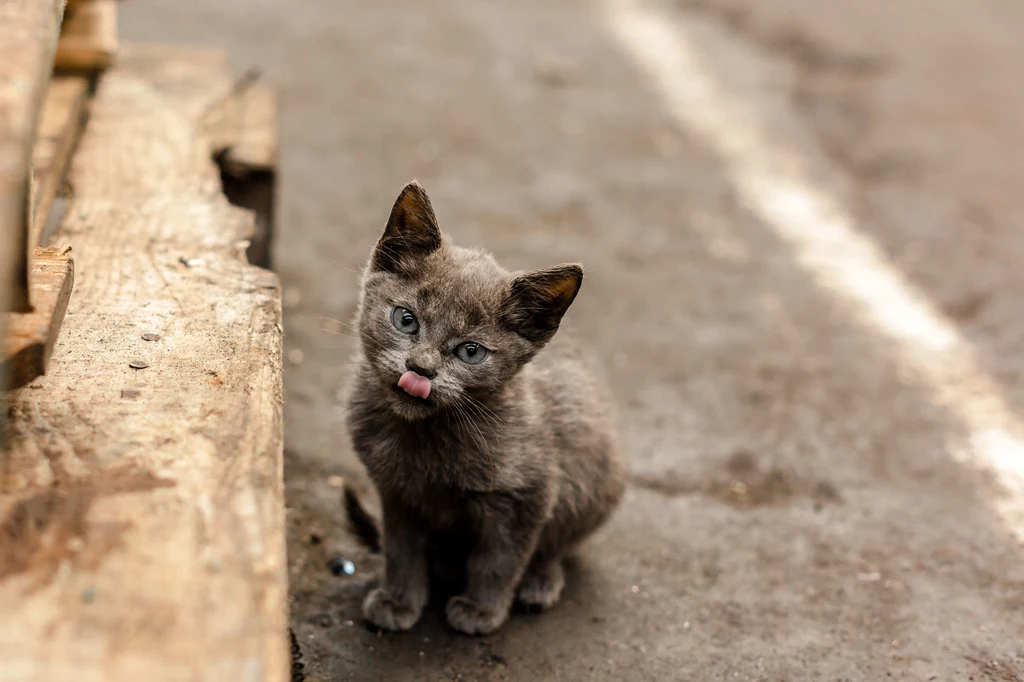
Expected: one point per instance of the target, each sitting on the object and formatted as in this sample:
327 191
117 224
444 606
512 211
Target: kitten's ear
537 301
411 231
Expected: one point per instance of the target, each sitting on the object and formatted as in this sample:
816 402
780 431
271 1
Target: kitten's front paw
381 609
541 589
472 618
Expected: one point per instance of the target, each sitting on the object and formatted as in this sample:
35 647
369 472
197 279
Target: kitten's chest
431 461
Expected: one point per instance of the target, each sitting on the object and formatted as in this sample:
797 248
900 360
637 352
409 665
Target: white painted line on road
826 241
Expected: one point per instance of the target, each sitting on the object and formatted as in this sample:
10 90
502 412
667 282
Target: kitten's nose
419 369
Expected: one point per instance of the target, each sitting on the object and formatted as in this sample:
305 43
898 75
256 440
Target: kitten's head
442 326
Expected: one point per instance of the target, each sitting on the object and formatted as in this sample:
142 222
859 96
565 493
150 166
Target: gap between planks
60 125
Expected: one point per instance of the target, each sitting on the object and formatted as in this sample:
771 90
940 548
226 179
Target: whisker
481 444
345 267
337 333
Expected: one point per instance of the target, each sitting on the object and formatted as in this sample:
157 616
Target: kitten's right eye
404 320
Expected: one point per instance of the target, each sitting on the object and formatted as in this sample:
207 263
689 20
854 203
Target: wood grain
88 39
28 37
30 337
60 125
142 510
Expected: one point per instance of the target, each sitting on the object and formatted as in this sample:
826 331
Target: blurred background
802 227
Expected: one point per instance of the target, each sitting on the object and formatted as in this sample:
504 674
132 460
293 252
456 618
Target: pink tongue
413 384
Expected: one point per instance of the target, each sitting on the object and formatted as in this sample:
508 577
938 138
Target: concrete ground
803 228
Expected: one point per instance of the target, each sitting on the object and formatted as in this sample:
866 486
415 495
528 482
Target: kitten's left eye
471 353
404 320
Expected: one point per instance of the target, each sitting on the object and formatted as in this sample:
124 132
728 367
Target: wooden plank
60 125
30 337
28 37
88 39
142 510
255 149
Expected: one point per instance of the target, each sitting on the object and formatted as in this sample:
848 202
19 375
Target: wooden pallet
141 494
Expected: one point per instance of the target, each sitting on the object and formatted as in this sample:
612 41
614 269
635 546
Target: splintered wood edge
88 39
28 39
29 337
60 126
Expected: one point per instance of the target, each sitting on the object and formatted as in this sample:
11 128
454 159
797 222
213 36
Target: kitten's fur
508 463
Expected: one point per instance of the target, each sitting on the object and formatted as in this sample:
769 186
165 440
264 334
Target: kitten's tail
362 522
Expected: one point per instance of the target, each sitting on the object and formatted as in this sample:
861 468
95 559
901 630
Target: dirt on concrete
801 506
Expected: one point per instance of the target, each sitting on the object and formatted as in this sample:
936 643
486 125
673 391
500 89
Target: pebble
138 364
556 72
341 566
149 336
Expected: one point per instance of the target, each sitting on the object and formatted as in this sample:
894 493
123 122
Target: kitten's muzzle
419 369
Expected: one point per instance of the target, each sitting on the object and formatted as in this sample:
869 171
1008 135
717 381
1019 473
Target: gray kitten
493 451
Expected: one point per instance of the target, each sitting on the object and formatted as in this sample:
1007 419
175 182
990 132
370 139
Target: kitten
490 452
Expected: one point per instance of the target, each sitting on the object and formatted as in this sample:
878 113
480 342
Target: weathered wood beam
30 337
28 39
60 125
88 39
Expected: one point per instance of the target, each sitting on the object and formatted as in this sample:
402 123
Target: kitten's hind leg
541 586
